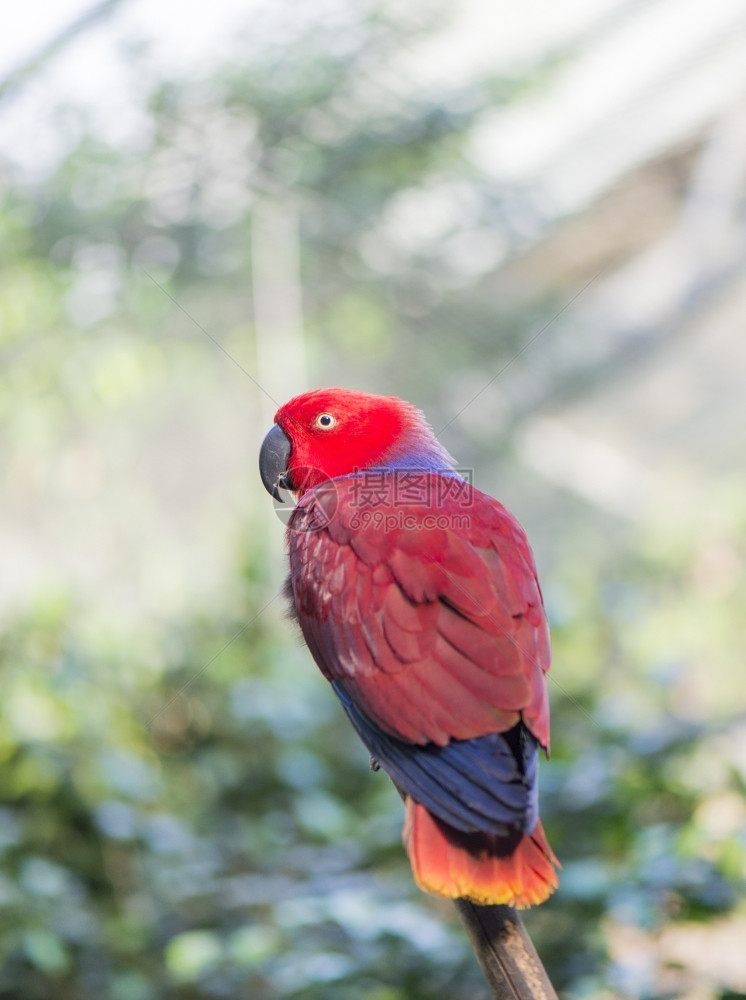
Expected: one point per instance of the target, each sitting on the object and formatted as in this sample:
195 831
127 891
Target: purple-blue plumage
486 784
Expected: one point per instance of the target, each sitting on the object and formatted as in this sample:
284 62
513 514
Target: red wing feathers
436 633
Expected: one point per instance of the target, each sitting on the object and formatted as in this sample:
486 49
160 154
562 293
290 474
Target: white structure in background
639 80
278 303
628 446
659 73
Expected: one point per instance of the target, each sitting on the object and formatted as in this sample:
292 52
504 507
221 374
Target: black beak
273 462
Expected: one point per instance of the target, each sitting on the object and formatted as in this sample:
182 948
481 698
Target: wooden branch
504 950
509 961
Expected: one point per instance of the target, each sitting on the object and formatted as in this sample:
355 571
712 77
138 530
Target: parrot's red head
334 432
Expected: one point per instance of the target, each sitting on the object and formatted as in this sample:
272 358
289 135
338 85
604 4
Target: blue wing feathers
486 784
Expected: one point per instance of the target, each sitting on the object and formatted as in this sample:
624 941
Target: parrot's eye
325 421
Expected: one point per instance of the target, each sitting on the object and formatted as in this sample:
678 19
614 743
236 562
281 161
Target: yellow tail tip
476 866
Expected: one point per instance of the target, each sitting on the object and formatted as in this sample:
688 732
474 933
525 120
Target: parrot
417 596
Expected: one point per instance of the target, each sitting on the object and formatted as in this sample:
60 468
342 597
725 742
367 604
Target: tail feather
517 871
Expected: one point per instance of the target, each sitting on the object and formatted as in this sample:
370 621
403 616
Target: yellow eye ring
325 421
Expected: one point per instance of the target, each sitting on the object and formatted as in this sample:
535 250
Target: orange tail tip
475 866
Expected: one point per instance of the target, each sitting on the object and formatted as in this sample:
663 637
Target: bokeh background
530 220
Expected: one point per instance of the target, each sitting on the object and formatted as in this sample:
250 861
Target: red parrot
418 599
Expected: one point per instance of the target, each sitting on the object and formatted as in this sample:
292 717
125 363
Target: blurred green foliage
187 818
184 811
